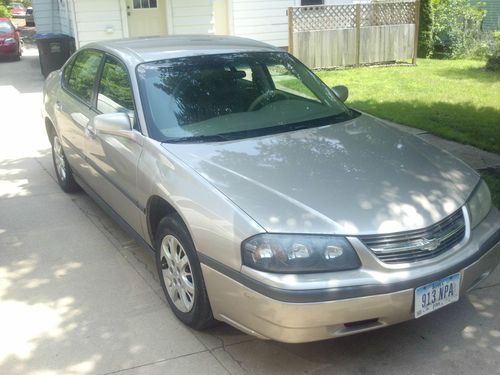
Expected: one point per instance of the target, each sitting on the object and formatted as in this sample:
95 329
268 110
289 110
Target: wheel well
157 209
49 127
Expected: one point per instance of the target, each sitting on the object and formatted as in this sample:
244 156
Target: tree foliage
493 62
457 27
4 11
425 41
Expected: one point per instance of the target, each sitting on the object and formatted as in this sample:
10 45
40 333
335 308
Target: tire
180 274
63 170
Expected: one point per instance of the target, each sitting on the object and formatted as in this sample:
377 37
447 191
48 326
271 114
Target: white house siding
264 20
66 26
192 16
98 20
46 13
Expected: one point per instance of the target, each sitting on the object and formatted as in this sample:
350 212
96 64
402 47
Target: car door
73 106
113 158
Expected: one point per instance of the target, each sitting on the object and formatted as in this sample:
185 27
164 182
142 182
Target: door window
145 4
83 73
115 93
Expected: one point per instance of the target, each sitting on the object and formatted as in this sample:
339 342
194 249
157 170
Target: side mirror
113 123
341 92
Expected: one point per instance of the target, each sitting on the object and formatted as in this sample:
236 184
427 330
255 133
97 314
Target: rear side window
115 93
83 73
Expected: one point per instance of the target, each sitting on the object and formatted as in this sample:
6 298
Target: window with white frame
311 2
145 4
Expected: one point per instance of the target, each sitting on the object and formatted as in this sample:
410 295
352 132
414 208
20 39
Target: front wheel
180 274
63 170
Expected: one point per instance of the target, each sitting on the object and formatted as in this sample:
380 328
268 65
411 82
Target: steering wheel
268 96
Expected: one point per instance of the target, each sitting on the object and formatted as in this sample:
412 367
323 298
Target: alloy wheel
177 273
59 159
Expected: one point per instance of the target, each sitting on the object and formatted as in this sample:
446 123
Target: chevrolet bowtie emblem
430 245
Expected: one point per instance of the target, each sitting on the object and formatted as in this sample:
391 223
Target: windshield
232 96
6 27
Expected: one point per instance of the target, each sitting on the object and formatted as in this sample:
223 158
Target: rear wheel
63 170
180 274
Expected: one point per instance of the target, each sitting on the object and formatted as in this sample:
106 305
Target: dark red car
18 10
10 40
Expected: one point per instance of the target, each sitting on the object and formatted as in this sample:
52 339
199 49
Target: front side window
83 73
115 93
231 96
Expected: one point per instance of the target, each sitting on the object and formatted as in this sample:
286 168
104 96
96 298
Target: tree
4 11
457 27
425 41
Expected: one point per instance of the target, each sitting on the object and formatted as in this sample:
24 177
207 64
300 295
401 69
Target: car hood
358 177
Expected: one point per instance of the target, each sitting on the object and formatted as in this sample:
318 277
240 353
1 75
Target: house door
146 17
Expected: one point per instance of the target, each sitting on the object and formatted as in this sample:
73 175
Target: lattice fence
390 24
323 17
331 17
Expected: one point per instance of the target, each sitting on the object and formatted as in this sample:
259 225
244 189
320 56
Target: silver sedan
269 204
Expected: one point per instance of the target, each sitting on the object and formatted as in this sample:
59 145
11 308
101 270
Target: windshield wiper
197 139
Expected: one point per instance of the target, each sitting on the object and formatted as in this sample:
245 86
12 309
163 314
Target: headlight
479 203
281 253
10 41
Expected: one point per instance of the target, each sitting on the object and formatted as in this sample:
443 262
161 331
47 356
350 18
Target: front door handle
90 130
80 119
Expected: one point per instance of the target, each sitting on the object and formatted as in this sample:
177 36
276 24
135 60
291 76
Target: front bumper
267 314
9 50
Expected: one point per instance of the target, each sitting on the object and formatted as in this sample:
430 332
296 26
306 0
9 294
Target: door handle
58 106
80 119
90 130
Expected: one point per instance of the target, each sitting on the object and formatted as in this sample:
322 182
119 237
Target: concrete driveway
78 296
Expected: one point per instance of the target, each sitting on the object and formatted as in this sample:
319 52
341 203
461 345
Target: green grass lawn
454 99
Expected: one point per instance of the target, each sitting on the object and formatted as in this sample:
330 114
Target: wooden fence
326 36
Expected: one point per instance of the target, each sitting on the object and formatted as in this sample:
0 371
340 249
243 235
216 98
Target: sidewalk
473 156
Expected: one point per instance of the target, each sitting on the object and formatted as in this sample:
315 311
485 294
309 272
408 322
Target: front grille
419 244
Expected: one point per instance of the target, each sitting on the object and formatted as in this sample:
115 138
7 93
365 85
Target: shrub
493 61
425 42
457 27
4 11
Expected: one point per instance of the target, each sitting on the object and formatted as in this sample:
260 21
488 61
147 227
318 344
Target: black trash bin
54 50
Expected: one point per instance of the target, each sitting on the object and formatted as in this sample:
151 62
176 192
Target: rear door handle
58 106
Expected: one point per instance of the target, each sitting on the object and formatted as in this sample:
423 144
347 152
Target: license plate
437 294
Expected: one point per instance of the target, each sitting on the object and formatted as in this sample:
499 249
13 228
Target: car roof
134 51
